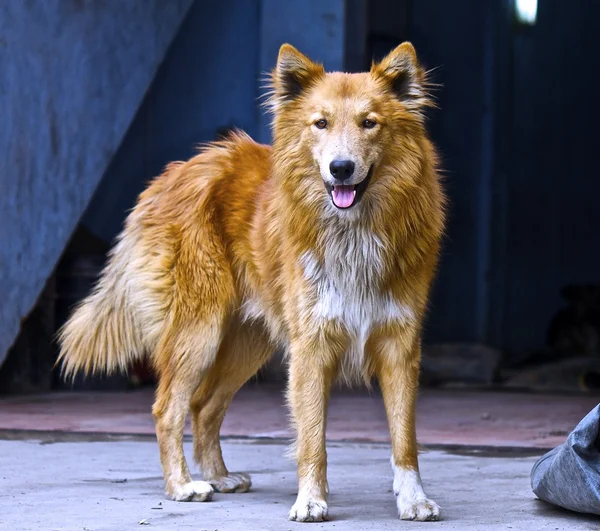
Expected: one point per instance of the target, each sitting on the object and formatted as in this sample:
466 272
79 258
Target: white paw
192 491
411 500
309 509
234 482
422 510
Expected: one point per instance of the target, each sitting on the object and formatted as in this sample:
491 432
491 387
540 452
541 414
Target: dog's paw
193 491
234 482
410 498
309 509
422 510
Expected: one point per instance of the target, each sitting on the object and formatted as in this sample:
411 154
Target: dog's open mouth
346 196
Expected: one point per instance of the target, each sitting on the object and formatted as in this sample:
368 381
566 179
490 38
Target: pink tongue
343 196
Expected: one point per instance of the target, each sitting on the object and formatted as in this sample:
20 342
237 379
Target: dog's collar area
358 190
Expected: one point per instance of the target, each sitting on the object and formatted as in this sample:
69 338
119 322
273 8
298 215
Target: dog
324 244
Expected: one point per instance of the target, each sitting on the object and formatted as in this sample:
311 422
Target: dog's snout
341 169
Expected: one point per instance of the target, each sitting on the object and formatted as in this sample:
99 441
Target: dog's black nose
341 169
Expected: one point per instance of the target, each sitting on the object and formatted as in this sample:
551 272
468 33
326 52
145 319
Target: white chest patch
346 286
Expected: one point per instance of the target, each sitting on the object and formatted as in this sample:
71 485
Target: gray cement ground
116 485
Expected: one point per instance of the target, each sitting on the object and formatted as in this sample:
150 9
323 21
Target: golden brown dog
324 244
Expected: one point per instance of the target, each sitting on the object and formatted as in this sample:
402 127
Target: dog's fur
242 249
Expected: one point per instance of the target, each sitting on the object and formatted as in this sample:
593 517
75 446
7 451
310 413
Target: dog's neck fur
358 238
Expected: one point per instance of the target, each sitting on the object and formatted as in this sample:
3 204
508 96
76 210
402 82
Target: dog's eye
369 124
321 124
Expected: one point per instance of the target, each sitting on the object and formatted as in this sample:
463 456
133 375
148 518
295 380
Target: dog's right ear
293 74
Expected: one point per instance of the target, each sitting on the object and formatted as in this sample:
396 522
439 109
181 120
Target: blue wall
552 208
208 80
453 41
73 74
515 129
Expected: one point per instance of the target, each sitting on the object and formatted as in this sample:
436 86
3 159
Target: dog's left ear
293 74
400 69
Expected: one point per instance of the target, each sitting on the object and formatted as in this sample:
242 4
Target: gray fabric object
569 475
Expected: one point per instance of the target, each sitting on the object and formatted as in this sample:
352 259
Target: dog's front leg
311 373
397 367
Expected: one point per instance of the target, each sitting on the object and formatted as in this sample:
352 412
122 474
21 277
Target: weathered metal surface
73 75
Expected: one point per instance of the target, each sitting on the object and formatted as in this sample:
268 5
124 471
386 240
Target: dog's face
339 127
344 137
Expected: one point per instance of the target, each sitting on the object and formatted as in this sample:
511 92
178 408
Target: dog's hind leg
244 350
182 361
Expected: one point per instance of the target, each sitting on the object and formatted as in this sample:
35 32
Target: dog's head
341 128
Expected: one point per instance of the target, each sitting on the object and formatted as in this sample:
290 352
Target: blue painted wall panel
73 75
452 40
553 214
208 80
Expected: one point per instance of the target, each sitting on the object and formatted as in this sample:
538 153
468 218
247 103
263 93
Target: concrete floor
82 484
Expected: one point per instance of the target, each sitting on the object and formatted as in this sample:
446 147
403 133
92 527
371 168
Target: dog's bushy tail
102 335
